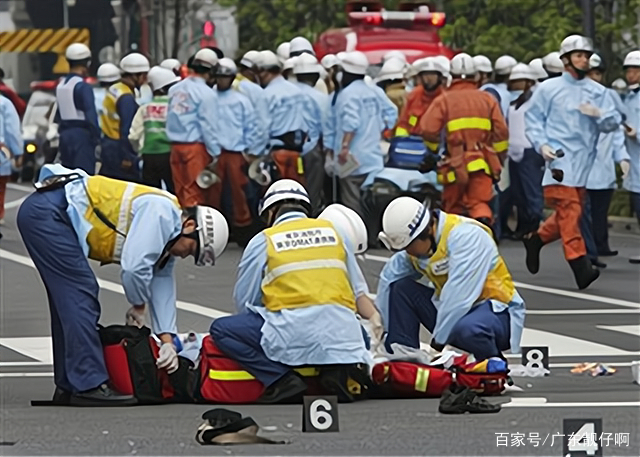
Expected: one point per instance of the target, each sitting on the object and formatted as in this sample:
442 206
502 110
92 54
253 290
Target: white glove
589 110
548 153
625 166
135 316
168 358
376 327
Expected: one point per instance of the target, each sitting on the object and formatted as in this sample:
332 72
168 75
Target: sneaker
459 400
102 396
290 386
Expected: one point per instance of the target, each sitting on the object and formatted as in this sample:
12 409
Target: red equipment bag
223 380
398 379
130 355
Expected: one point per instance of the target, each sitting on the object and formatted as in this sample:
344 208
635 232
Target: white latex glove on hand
135 316
376 326
168 358
548 153
589 110
625 166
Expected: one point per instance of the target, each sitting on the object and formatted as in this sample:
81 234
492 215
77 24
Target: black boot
102 396
289 387
533 244
583 271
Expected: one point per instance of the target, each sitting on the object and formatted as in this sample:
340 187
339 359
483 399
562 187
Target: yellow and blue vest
306 266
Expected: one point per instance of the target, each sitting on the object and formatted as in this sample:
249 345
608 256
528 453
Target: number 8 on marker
320 419
537 361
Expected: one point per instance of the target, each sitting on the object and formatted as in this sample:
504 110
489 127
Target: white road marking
24 364
548 290
559 312
630 329
38 348
15 203
612 404
19 187
26 375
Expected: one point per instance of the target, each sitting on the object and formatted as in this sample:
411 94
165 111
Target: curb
625 225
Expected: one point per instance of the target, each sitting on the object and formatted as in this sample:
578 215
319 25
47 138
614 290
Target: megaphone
259 172
206 179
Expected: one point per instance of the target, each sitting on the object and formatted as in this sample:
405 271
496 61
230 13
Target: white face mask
339 76
292 78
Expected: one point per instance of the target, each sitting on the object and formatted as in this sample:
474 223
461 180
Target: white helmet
349 224
284 189
288 64
391 69
283 52
430 64
445 64
595 62
403 220
77 51
504 64
305 64
619 85
206 57
250 59
575 43
341 55
213 235
171 64
538 69
329 61
268 59
522 71
355 62
108 73
632 59
160 77
552 63
394 55
300 45
483 64
462 65
226 67
134 63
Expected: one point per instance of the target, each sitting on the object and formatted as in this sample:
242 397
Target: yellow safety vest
306 266
109 119
498 285
113 199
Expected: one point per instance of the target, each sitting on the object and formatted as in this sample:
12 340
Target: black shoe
607 253
533 244
459 400
61 397
102 396
634 260
583 271
334 380
596 263
290 386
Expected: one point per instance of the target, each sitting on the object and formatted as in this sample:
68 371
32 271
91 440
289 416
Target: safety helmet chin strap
166 255
580 74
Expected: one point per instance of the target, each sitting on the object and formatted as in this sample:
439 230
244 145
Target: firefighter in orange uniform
476 142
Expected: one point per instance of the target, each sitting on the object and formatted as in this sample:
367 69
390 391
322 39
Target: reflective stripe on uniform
401 132
300 266
237 375
480 123
123 221
413 120
474 165
432 146
501 146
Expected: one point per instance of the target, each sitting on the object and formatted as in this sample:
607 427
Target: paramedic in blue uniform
141 228
295 296
471 302
76 117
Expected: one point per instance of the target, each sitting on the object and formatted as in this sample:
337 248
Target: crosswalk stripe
630 329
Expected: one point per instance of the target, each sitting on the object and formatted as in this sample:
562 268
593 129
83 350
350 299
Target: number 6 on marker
320 420
320 414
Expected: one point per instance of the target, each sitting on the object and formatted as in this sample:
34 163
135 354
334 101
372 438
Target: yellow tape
413 120
480 123
501 146
300 166
422 380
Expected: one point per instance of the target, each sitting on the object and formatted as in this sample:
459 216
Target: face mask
409 86
339 76
515 94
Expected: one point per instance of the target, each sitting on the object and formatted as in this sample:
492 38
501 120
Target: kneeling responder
474 307
296 298
74 216
477 141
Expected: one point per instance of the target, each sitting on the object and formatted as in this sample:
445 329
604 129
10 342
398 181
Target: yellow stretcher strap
227 375
422 380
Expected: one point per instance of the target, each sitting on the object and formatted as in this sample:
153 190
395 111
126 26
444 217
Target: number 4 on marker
584 440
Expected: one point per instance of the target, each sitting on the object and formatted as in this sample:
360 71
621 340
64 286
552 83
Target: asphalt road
601 324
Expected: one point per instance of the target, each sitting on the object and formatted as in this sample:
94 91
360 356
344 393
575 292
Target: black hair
1 73
308 78
79 63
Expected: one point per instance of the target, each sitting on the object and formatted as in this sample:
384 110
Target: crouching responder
472 303
477 141
73 216
148 134
296 300
119 160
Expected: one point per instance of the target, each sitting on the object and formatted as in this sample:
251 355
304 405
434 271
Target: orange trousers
187 162
289 164
3 192
565 221
472 199
231 169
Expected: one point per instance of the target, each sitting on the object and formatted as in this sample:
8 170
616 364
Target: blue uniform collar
292 215
570 79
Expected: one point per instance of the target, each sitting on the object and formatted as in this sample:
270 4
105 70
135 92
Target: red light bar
385 17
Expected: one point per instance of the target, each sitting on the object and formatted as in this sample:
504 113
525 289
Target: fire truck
412 29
